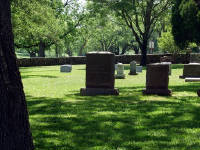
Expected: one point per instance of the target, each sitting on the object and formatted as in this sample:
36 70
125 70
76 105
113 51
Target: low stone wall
125 59
27 62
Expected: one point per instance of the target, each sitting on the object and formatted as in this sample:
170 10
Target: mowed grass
61 119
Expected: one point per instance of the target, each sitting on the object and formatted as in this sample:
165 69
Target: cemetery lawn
61 119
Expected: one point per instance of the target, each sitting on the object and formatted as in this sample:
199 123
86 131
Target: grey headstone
138 68
66 68
133 68
120 71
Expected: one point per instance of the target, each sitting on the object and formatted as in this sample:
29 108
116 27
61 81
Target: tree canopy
139 16
186 22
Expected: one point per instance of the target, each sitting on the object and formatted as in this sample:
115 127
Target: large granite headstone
157 79
133 68
100 69
120 71
191 71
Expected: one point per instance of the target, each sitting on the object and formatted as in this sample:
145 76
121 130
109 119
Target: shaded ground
63 120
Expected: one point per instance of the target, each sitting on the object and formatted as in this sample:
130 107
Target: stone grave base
198 93
133 73
120 76
189 77
98 91
192 79
162 92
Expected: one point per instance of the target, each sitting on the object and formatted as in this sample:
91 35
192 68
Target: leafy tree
35 24
14 125
186 22
167 44
40 24
140 16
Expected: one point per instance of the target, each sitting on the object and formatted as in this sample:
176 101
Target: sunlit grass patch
61 119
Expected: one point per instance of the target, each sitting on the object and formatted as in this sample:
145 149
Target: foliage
186 22
140 17
167 44
45 23
34 21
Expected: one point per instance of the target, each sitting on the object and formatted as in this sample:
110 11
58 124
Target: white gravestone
66 68
120 71
133 68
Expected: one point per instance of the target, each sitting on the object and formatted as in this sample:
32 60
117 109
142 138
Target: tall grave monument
100 71
157 79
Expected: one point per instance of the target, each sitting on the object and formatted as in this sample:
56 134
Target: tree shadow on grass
37 76
123 122
189 87
41 69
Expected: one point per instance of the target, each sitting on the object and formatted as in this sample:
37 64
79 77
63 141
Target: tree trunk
56 50
125 49
82 48
14 124
143 48
136 49
41 52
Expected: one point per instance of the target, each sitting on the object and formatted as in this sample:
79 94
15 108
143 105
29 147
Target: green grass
61 119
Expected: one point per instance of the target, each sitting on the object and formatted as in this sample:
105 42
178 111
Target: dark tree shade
186 22
14 124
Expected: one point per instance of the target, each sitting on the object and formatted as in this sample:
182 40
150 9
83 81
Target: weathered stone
133 68
191 71
157 79
120 71
138 68
100 74
66 68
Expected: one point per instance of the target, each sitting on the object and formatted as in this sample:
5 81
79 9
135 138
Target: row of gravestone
133 70
191 71
100 74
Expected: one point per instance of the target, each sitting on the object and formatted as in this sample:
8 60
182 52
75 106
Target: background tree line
53 28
